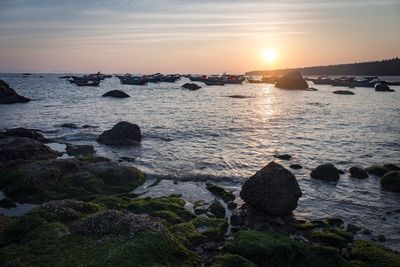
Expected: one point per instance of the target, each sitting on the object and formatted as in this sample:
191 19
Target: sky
191 36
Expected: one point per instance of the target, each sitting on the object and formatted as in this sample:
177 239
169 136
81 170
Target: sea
206 135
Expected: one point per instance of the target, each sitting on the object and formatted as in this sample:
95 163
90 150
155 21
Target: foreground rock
116 94
28 133
191 86
9 96
377 170
25 149
325 172
391 181
122 134
343 92
77 150
382 87
357 172
292 80
272 189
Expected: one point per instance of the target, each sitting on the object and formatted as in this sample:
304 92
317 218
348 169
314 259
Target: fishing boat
214 82
233 79
133 80
87 82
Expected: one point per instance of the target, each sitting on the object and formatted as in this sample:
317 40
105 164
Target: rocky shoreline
87 214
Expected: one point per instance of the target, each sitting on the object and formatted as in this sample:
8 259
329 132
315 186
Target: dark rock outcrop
383 87
76 150
343 92
326 172
272 189
391 167
217 209
296 166
283 156
191 86
122 134
391 181
357 172
292 80
9 96
116 94
69 125
24 148
28 133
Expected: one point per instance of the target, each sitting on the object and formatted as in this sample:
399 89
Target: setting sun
269 55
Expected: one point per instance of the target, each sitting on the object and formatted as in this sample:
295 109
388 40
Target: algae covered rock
272 189
325 172
391 181
377 170
231 260
220 192
368 253
122 134
25 149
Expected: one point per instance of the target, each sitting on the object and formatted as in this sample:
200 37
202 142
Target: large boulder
122 134
292 80
9 96
391 181
326 172
382 87
191 86
116 94
272 189
24 148
28 133
357 172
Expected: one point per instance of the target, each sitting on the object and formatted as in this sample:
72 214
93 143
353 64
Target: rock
69 125
391 167
326 172
238 96
226 260
112 222
292 80
345 253
217 209
70 209
391 181
343 92
7 203
357 172
116 94
381 238
283 156
76 150
311 89
377 170
24 148
28 133
296 166
122 134
221 192
353 228
9 96
272 189
366 232
191 86
231 205
382 87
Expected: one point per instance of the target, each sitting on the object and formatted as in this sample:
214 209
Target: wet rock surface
122 134
191 86
326 172
292 80
116 94
24 148
9 96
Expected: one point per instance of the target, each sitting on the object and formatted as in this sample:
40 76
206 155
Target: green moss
230 260
187 234
391 181
211 228
112 202
331 237
220 192
268 249
151 205
373 254
168 216
377 170
305 226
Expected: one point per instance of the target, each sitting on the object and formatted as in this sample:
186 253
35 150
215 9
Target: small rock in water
116 94
69 125
353 228
391 181
191 86
28 133
343 92
77 150
382 87
366 232
217 209
296 166
381 238
283 156
325 172
357 172
238 96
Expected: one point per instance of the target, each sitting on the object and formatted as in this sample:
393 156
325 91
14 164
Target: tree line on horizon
388 67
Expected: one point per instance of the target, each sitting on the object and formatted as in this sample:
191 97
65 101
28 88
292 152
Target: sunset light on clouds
196 36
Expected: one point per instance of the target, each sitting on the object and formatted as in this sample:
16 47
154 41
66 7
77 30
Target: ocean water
205 135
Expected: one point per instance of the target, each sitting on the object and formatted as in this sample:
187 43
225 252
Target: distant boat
133 80
87 82
214 82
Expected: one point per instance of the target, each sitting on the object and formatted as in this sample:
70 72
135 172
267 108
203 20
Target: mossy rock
391 181
391 167
368 253
187 234
377 170
269 249
149 206
5 221
113 202
221 192
212 229
305 226
231 260
331 237
168 216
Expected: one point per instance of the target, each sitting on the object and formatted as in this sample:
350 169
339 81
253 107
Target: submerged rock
296 166
28 133
191 86
122 134
343 92
69 125
357 172
377 170
382 87
325 172
283 156
391 181
116 94
272 189
24 148
76 150
9 96
292 80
